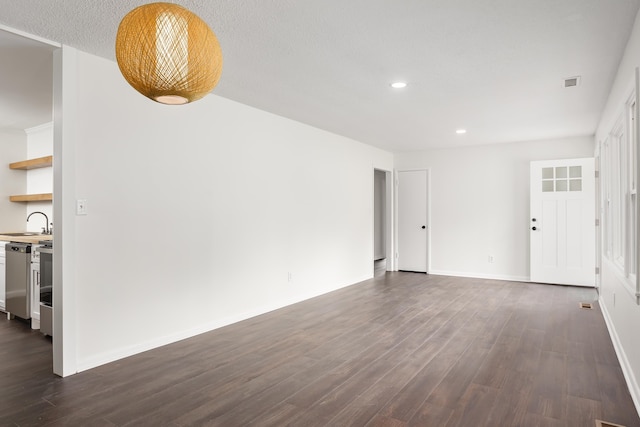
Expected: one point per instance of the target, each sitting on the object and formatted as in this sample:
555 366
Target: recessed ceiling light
398 85
461 131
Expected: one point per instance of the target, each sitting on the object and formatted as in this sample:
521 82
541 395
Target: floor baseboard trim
123 352
480 275
632 383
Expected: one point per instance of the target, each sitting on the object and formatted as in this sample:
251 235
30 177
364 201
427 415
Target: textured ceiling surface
493 67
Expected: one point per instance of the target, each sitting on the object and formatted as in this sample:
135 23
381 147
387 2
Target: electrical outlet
289 277
81 207
490 259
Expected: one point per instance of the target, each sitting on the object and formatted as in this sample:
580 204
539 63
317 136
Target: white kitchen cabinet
2 275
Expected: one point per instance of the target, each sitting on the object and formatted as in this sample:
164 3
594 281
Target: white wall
199 214
480 203
39 144
619 305
13 148
17 146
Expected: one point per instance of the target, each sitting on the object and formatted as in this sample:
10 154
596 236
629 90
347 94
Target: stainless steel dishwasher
18 274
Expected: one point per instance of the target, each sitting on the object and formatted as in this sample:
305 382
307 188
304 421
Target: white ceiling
26 68
493 67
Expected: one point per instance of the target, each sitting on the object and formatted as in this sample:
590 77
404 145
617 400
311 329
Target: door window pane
561 172
547 186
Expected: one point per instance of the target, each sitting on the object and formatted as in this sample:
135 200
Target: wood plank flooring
402 349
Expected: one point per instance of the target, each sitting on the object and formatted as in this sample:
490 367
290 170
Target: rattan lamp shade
168 53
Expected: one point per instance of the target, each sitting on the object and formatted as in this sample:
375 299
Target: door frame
598 215
389 219
396 208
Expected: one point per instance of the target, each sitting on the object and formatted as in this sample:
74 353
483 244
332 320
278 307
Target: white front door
412 221
562 222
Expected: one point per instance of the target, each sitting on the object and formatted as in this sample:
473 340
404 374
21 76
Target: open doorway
26 107
382 220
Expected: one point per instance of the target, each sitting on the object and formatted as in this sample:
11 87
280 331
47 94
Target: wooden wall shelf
40 162
44 197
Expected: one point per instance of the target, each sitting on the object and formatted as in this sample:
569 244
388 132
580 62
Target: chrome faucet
46 221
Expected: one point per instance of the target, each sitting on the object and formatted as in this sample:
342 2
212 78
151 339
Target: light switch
81 207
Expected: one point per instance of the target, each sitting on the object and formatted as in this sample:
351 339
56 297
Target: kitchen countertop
26 239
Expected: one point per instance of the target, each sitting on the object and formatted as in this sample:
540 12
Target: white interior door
562 222
412 221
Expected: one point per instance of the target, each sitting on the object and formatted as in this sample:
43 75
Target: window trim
619 159
635 170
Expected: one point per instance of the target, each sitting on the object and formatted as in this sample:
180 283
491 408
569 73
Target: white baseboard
480 275
123 352
120 353
632 382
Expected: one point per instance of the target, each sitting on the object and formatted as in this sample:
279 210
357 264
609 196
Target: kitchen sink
26 233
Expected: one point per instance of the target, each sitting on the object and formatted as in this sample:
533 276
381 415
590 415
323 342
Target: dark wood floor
402 349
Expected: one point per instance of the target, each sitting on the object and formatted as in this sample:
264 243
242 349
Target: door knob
534 228
533 219
423 227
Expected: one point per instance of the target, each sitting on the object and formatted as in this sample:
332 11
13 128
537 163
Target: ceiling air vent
572 81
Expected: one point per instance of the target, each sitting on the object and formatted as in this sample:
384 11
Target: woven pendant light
168 53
